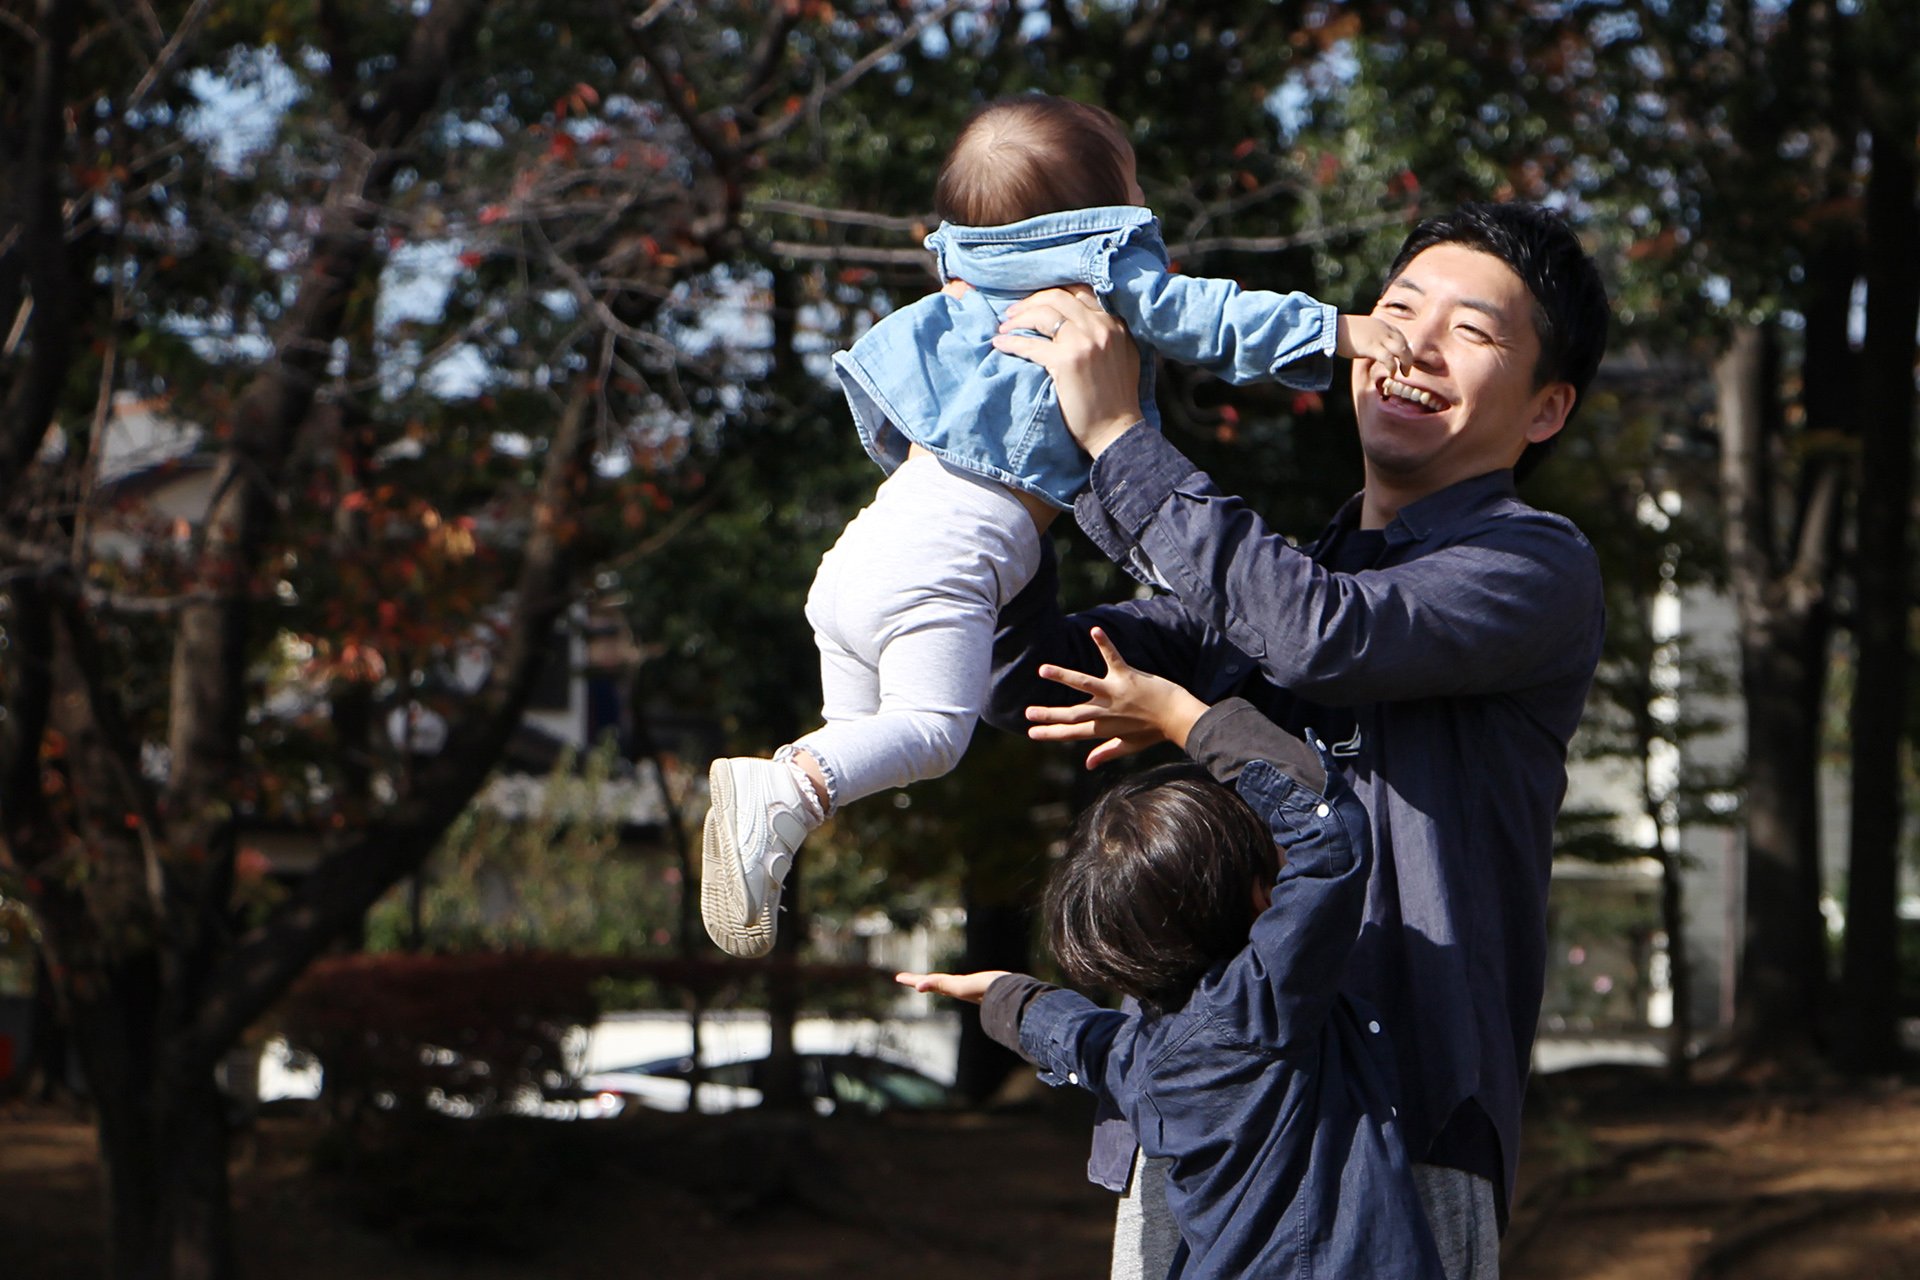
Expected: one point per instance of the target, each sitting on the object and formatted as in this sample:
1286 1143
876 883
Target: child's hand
1367 338
971 987
1126 710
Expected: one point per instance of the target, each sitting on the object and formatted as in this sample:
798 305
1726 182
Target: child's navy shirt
1272 1095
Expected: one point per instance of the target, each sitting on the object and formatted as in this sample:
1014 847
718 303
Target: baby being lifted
1037 192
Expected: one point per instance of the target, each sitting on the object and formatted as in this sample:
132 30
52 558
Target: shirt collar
1439 510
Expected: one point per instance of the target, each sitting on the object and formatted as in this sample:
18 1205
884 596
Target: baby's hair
1157 885
1018 158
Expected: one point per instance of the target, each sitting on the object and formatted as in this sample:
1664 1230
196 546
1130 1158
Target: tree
432 284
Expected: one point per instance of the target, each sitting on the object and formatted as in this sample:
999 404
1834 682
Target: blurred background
416 440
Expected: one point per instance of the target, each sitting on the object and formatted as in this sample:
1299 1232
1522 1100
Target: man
1439 637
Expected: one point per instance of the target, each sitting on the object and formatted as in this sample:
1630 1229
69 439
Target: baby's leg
906 633
931 680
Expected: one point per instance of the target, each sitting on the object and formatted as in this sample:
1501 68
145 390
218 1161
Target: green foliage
1598 972
554 878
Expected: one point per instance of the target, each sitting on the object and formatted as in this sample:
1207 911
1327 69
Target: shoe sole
724 903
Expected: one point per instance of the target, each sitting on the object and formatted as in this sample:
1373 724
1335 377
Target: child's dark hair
1017 158
1157 885
1570 312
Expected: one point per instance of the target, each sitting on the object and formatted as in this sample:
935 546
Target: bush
466 1035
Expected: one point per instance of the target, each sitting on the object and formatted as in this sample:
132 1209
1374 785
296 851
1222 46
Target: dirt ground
1624 1178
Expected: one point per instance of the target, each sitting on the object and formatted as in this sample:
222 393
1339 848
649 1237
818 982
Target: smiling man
1438 637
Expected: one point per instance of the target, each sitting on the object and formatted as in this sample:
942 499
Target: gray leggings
903 610
1459 1208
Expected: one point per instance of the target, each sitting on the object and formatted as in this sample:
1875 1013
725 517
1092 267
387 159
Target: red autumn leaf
492 213
1244 149
1308 402
472 258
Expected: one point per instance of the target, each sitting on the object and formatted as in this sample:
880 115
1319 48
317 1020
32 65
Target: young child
1272 1096
1037 192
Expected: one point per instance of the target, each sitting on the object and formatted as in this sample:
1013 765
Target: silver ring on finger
1058 325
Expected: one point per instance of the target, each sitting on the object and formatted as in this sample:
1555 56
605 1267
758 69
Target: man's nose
1423 342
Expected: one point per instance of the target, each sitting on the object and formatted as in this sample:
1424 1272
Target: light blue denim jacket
929 374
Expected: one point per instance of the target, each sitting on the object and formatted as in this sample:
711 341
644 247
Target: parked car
831 1082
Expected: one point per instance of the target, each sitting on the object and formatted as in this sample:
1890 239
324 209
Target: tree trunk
195 1215
998 937
1673 919
1783 640
782 1091
1883 602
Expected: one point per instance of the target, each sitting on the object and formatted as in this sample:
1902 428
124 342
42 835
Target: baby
1037 192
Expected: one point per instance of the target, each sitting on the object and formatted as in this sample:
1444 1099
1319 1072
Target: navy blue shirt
1271 1094
1446 676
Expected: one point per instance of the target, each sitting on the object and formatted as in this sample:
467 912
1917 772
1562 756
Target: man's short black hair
1570 311
1157 885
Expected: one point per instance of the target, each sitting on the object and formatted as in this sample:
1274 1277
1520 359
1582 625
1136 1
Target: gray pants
1459 1209
903 610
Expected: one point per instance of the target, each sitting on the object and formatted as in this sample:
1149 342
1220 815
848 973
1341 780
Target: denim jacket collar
1004 257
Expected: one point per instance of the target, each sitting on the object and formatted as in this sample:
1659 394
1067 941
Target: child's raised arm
1126 710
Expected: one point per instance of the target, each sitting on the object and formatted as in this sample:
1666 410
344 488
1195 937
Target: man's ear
1262 896
1550 409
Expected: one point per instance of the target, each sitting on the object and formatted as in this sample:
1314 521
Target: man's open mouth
1410 396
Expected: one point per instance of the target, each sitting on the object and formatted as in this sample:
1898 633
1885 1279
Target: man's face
1468 404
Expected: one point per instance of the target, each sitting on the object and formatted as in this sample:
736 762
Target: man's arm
1518 605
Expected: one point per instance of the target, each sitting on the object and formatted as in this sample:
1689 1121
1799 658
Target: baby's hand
1369 338
1126 710
971 987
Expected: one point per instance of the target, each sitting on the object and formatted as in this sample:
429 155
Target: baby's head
1163 877
1018 158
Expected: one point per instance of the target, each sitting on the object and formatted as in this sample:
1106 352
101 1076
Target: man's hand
1368 338
1095 366
1126 710
971 987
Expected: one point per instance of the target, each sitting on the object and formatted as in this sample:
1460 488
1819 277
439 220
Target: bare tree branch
854 254
170 52
1274 244
841 217
846 79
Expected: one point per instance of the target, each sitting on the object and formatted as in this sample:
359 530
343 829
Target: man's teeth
1400 390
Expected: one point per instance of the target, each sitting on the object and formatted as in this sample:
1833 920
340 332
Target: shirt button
1073 1077
1393 1111
1324 811
1374 1027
